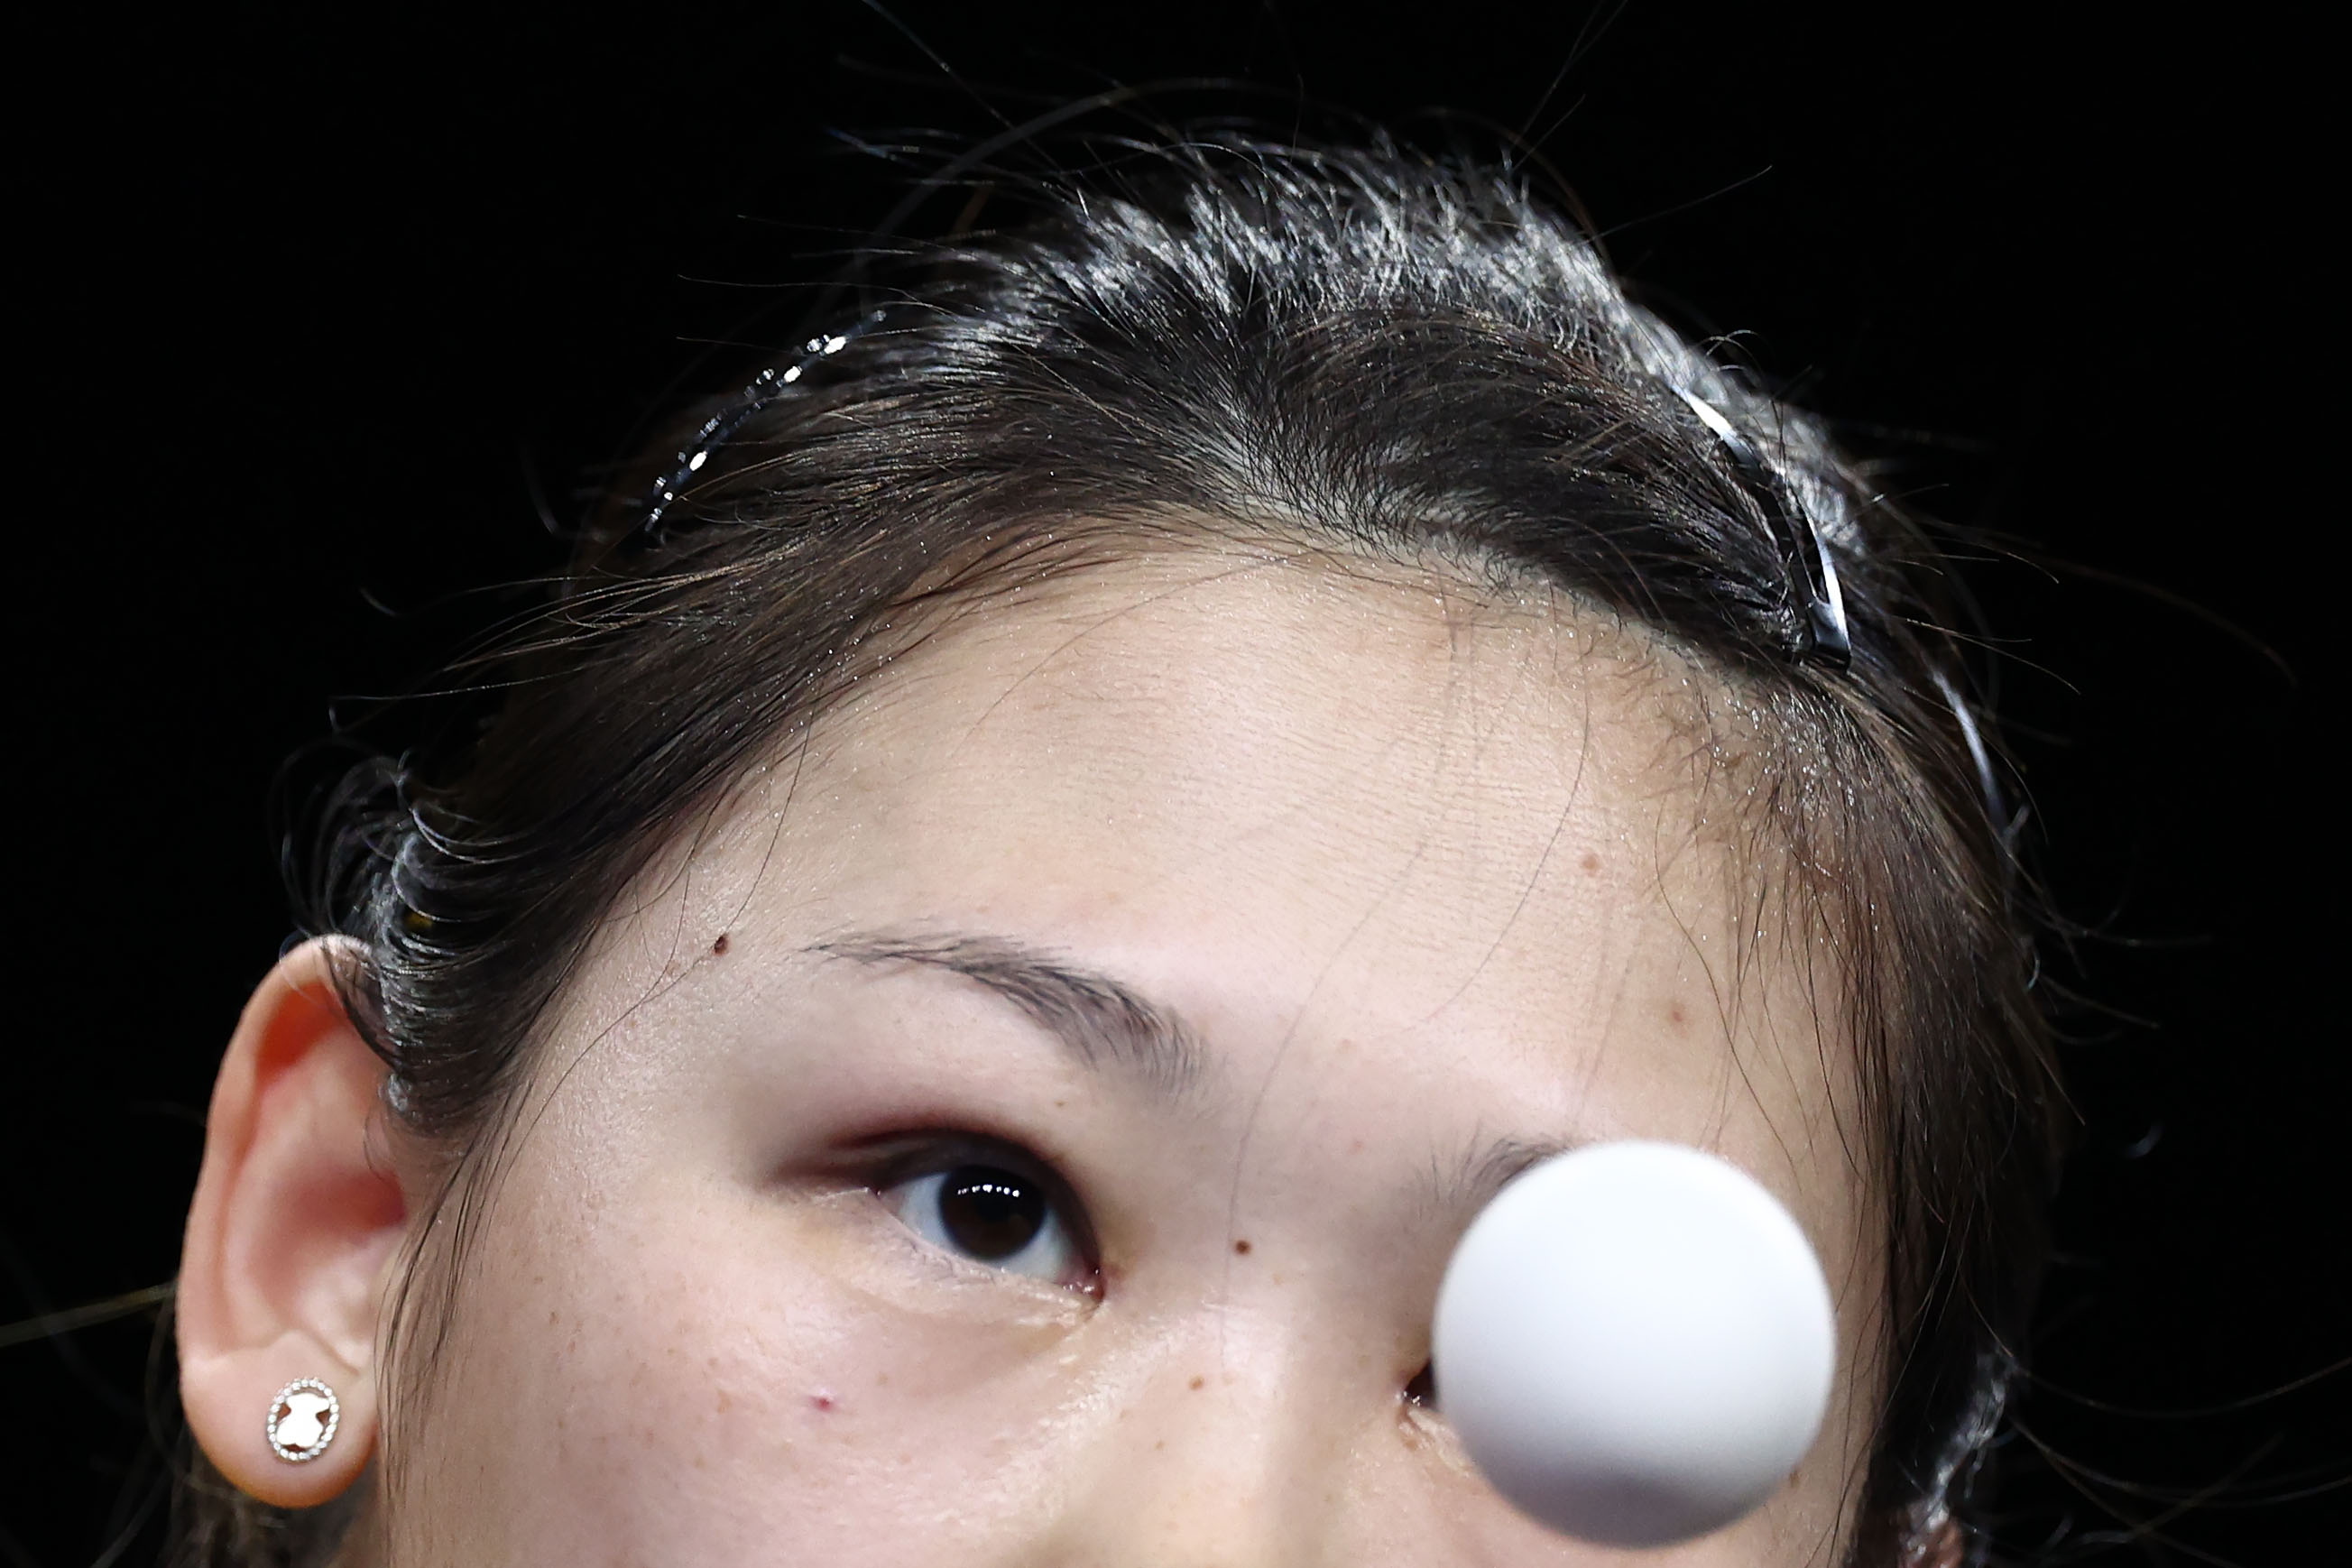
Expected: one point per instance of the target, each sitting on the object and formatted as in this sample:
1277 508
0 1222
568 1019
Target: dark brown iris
991 1213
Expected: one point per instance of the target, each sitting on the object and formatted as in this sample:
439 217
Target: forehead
1471 839
1214 733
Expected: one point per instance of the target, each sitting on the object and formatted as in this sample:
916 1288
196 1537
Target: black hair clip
2008 826
716 431
1822 634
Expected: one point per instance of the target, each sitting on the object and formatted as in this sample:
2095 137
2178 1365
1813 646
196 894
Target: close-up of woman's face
1027 1123
1056 786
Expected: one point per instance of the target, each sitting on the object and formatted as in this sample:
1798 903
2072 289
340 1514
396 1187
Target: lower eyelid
876 1210
948 1270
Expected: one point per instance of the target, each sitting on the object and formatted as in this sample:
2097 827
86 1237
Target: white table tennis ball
1636 1343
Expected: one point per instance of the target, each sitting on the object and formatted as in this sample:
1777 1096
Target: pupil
990 1214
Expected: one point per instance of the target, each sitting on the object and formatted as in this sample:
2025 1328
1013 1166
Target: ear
292 1235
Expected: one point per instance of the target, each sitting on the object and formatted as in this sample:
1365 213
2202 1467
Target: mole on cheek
719 947
1241 1247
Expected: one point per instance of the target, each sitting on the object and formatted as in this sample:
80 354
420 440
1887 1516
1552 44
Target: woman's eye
990 1214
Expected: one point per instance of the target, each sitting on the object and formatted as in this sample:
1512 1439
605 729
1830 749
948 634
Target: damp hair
1357 349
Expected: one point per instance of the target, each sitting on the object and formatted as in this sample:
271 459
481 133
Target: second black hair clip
1822 633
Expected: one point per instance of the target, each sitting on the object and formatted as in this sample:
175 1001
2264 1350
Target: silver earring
302 1419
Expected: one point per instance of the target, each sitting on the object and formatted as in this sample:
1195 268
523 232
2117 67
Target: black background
312 307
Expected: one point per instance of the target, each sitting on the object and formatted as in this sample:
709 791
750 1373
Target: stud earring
302 1420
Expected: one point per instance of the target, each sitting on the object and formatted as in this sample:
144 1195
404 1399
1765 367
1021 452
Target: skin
1419 885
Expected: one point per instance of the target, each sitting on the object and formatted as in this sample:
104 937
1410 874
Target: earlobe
289 1243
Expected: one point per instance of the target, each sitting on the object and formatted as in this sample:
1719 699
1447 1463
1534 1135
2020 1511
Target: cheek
712 1376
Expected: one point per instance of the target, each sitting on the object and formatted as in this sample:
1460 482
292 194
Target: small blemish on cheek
821 1401
1590 863
1676 1015
719 948
1197 1383
725 1402
1243 1247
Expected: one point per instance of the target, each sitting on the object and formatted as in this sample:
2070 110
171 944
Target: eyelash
907 1178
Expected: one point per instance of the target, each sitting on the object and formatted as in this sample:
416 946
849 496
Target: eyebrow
1102 1021
1471 1182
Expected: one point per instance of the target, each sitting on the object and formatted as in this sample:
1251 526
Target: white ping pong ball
1634 1343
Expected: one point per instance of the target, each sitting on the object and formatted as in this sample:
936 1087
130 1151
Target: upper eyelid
903 1156
983 1128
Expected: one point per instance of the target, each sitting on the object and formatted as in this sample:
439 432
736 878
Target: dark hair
1368 350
